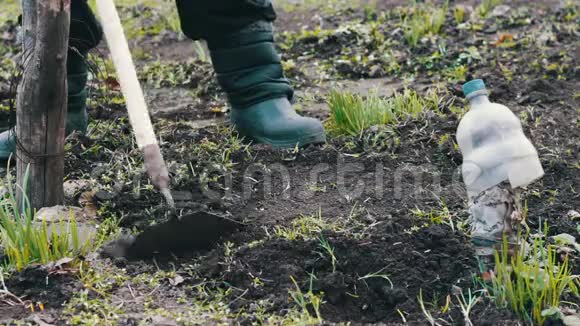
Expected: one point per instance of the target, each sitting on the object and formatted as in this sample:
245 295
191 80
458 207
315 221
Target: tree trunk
42 102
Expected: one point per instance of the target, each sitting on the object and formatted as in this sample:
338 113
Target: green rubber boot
275 122
249 70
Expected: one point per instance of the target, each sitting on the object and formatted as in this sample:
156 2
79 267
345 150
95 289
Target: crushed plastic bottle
498 159
493 144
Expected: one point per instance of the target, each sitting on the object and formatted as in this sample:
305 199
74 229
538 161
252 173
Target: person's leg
240 38
85 34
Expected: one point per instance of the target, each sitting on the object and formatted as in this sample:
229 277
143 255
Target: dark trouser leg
240 38
85 34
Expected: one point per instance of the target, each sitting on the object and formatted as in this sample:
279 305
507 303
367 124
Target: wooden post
42 101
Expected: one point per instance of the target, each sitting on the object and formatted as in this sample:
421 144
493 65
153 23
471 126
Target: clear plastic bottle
493 144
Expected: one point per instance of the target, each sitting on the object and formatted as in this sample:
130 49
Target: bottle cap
473 86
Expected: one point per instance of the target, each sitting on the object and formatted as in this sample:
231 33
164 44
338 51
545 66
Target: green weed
456 74
352 114
305 227
507 72
378 274
466 304
219 152
26 242
426 312
436 216
309 227
423 21
159 74
486 6
94 304
85 309
306 300
327 250
535 287
147 17
459 14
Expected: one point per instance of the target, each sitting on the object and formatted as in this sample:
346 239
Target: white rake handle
136 105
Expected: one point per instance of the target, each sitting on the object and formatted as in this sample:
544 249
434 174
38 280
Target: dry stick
136 105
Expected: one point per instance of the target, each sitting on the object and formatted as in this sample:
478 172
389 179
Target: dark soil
439 260
37 285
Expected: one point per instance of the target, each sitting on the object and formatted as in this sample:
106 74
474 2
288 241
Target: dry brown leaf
503 38
88 203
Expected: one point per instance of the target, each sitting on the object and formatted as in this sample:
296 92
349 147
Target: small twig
238 297
131 291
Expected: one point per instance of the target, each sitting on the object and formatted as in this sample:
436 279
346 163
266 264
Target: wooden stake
42 101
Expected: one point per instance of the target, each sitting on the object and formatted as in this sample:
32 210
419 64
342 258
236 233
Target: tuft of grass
160 74
306 300
28 243
306 227
532 288
309 227
467 304
426 312
352 114
327 250
459 14
486 6
422 21
437 216
456 74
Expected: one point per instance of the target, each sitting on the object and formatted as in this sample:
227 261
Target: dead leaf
504 38
40 322
178 279
62 262
162 321
61 266
88 203
572 320
112 83
486 276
